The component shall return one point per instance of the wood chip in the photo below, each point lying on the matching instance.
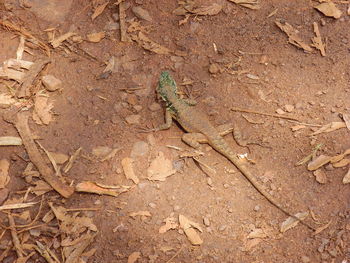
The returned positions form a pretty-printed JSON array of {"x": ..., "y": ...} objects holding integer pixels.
[
  {"x": 329, "y": 9},
  {"x": 317, "y": 40},
  {"x": 17, "y": 206},
  {"x": 10, "y": 140},
  {"x": 42, "y": 113},
  {"x": 333, "y": 126},
  {"x": 96, "y": 37},
  {"x": 346, "y": 118},
  {"x": 209, "y": 10},
  {"x": 58, "y": 41},
  {"x": 149, "y": 44},
  {"x": 293, "y": 36},
  {"x": 318, "y": 162},
  {"x": 189, "y": 228}
]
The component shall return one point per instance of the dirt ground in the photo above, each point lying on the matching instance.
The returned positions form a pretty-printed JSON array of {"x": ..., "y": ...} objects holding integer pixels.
[{"x": 231, "y": 57}]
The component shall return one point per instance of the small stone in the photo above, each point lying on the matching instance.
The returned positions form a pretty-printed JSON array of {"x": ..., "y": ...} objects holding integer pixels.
[
  {"x": 139, "y": 148},
  {"x": 132, "y": 99},
  {"x": 320, "y": 176},
  {"x": 177, "y": 208},
  {"x": 111, "y": 26},
  {"x": 289, "y": 108},
  {"x": 251, "y": 76},
  {"x": 97, "y": 202},
  {"x": 280, "y": 111},
  {"x": 305, "y": 259},
  {"x": 214, "y": 68},
  {"x": 138, "y": 108},
  {"x": 133, "y": 119},
  {"x": 51, "y": 83},
  {"x": 141, "y": 13},
  {"x": 257, "y": 208},
  {"x": 222, "y": 228},
  {"x": 154, "y": 107},
  {"x": 152, "y": 205},
  {"x": 226, "y": 186},
  {"x": 206, "y": 221}
]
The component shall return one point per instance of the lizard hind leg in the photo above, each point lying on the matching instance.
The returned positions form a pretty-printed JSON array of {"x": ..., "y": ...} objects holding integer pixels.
[{"x": 194, "y": 139}]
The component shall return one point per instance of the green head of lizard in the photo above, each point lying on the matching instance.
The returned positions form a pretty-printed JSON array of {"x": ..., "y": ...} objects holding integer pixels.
[{"x": 167, "y": 86}]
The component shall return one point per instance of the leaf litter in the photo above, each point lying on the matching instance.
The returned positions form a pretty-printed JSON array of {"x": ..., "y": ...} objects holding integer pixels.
[
  {"x": 251, "y": 4},
  {"x": 160, "y": 168},
  {"x": 189, "y": 228},
  {"x": 329, "y": 9},
  {"x": 292, "y": 222}
]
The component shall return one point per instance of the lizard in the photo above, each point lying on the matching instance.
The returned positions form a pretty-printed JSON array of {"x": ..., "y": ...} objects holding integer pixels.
[{"x": 200, "y": 130}]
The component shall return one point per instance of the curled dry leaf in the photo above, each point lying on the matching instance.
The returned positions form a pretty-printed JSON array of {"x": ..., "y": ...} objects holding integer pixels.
[
  {"x": 189, "y": 228},
  {"x": 251, "y": 4},
  {"x": 58, "y": 41},
  {"x": 127, "y": 164},
  {"x": 96, "y": 37},
  {"x": 346, "y": 178},
  {"x": 339, "y": 157},
  {"x": 293, "y": 36},
  {"x": 317, "y": 40},
  {"x": 4, "y": 173},
  {"x": 10, "y": 140},
  {"x": 329, "y": 9},
  {"x": 321, "y": 176},
  {"x": 321, "y": 228},
  {"x": 318, "y": 162},
  {"x": 42, "y": 110},
  {"x": 170, "y": 223},
  {"x": 160, "y": 168},
  {"x": 341, "y": 163},
  {"x": 291, "y": 222},
  {"x": 333, "y": 126},
  {"x": 94, "y": 188},
  {"x": 99, "y": 10}
]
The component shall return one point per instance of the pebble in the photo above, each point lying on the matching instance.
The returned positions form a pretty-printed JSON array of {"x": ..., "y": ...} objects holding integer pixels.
[
  {"x": 226, "y": 186},
  {"x": 280, "y": 111},
  {"x": 138, "y": 108},
  {"x": 142, "y": 13},
  {"x": 132, "y": 99},
  {"x": 206, "y": 221},
  {"x": 51, "y": 83},
  {"x": 257, "y": 208},
  {"x": 152, "y": 205},
  {"x": 112, "y": 26},
  {"x": 154, "y": 107},
  {"x": 222, "y": 228},
  {"x": 289, "y": 108},
  {"x": 97, "y": 202},
  {"x": 139, "y": 148},
  {"x": 305, "y": 259},
  {"x": 299, "y": 106},
  {"x": 177, "y": 208},
  {"x": 133, "y": 119},
  {"x": 214, "y": 68}
]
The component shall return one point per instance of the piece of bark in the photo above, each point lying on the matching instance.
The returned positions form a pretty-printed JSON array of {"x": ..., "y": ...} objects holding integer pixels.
[
  {"x": 30, "y": 77},
  {"x": 21, "y": 124}
]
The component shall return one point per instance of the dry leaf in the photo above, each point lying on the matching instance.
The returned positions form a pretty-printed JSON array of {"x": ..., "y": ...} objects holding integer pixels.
[
  {"x": 339, "y": 157},
  {"x": 16, "y": 206},
  {"x": 189, "y": 229},
  {"x": 133, "y": 257},
  {"x": 96, "y": 37},
  {"x": 321, "y": 228},
  {"x": 318, "y": 162},
  {"x": 209, "y": 10},
  {"x": 293, "y": 36},
  {"x": 10, "y": 140},
  {"x": 160, "y": 168},
  {"x": 329, "y": 9},
  {"x": 72, "y": 159},
  {"x": 60, "y": 158},
  {"x": 42, "y": 110},
  {"x": 127, "y": 164},
  {"x": 99, "y": 10},
  {"x": 92, "y": 187},
  {"x": 330, "y": 127},
  {"x": 317, "y": 40},
  {"x": 251, "y": 4},
  {"x": 320, "y": 176},
  {"x": 4, "y": 173},
  {"x": 170, "y": 223},
  {"x": 291, "y": 222},
  {"x": 6, "y": 100},
  {"x": 41, "y": 187},
  {"x": 149, "y": 44},
  {"x": 346, "y": 178}
]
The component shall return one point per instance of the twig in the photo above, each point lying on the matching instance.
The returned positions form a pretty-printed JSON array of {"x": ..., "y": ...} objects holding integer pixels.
[
  {"x": 21, "y": 124},
  {"x": 265, "y": 114},
  {"x": 175, "y": 255},
  {"x": 15, "y": 238},
  {"x": 305, "y": 124}
]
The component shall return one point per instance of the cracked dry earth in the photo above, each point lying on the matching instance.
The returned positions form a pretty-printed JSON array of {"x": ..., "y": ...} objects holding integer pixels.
[{"x": 236, "y": 57}]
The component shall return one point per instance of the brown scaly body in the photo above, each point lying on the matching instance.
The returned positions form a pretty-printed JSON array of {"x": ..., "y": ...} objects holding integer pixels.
[{"x": 197, "y": 124}]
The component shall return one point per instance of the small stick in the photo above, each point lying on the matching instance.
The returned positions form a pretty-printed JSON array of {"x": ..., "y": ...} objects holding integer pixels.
[
  {"x": 15, "y": 238},
  {"x": 175, "y": 255},
  {"x": 265, "y": 114},
  {"x": 305, "y": 124}
]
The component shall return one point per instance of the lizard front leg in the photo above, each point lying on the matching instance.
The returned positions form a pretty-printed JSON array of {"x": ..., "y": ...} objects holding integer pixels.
[{"x": 168, "y": 122}]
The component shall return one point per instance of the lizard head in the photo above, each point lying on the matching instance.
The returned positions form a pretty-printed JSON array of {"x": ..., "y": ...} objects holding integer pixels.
[{"x": 167, "y": 86}]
